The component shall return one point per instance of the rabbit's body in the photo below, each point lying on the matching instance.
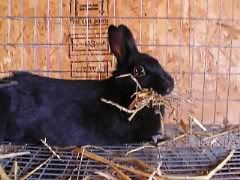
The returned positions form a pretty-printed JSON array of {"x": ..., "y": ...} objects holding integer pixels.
[{"x": 70, "y": 112}]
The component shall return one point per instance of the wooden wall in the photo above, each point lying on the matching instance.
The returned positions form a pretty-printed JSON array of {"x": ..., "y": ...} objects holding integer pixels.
[{"x": 198, "y": 41}]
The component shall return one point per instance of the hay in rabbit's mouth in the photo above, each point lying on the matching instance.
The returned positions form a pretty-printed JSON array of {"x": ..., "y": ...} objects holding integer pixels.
[{"x": 144, "y": 97}]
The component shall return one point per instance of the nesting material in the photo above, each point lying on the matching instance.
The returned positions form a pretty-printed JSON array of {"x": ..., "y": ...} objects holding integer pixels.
[
  {"x": 105, "y": 175},
  {"x": 198, "y": 122},
  {"x": 37, "y": 168},
  {"x": 12, "y": 155},
  {"x": 3, "y": 174},
  {"x": 112, "y": 164},
  {"x": 222, "y": 133},
  {"x": 50, "y": 148},
  {"x": 143, "y": 173},
  {"x": 123, "y": 166},
  {"x": 143, "y": 97}
]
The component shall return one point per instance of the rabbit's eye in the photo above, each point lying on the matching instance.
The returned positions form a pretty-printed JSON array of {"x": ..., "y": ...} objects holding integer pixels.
[{"x": 138, "y": 71}]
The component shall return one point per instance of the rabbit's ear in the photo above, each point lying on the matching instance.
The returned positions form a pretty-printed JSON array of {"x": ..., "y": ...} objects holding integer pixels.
[
  {"x": 115, "y": 41},
  {"x": 129, "y": 42}
]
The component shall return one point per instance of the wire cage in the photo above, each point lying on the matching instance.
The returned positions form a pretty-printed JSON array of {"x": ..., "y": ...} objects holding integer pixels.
[
  {"x": 196, "y": 41},
  {"x": 192, "y": 158}
]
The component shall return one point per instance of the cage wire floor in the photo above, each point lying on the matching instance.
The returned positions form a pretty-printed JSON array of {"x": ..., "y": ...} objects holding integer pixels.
[{"x": 189, "y": 157}]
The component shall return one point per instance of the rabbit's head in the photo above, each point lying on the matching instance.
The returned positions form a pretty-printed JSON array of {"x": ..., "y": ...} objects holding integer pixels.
[{"x": 146, "y": 69}]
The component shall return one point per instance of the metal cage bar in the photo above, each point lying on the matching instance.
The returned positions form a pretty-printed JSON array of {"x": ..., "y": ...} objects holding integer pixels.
[{"x": 182, "y": 158}]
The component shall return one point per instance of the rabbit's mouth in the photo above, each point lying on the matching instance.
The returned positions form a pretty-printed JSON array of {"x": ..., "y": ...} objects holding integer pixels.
[
  {"x": 168, "y": 90},
  {"x": 164, "y": 88}
]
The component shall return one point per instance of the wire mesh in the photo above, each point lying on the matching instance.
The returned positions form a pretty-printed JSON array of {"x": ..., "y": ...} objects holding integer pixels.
[
  {"x": 186, "y": 44},
  {"x": 217, "y": 105},
  {"x": 180, "y": 158}
]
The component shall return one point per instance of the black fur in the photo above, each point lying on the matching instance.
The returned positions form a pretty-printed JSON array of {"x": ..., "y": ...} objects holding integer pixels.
[{"x": 70, "y": 112}]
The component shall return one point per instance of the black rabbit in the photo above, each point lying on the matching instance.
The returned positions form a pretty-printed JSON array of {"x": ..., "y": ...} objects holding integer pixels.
[{"x": 70, "y": 112}]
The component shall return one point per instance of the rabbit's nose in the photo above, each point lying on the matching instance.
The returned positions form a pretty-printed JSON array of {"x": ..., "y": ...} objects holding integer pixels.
[{"x": 168, "y": 90}]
